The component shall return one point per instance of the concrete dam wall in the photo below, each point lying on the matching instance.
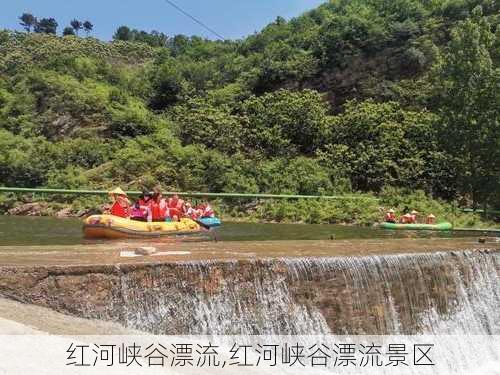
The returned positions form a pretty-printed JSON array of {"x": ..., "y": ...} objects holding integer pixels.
[{"x": 455, "y": 292}]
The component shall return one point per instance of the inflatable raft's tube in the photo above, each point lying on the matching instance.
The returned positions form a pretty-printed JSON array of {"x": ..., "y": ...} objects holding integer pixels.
[
  {"x": 109, "y": 226},
  {"x": 210, "y": 221},
  {"x": 440, "y": 226}
]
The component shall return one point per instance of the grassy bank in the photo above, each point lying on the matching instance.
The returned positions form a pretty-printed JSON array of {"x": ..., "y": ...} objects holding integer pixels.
[{"x": 362, "y": 209}]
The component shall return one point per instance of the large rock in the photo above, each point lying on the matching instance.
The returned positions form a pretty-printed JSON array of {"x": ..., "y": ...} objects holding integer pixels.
[{"x": 28, "y": 209}]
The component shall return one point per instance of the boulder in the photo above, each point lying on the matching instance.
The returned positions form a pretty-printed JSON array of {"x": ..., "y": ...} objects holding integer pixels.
[{"x": 28, "y": 209}]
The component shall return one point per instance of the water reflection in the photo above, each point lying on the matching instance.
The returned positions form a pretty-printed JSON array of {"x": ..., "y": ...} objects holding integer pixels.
[{"x": 53, "y": 231}]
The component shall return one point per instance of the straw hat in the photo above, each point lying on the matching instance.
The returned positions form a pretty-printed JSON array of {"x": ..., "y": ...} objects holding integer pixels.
[
  {"x": 391, "y": 211},
  {"x": 431, "y": 215},
  {"x": 414, "y": 212},
  {"x": 117, "y": 191}
]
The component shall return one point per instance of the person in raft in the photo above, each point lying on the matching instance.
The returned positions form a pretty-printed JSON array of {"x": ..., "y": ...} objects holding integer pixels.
[
  {"x": 431, "y": 219},
  {"x": 405, "y": 219},
  {"x": 191, "y": 212},
  {"x": 121, "y": 204},
  {"x": 413, "y": 217},
  {"x": 390, "y": 217},
  {"x": 176, "y": 206},
  {"x": 205, "y": 210},
  {"x": 137, "y": 212},
  {"x": 159, "y": 207}
]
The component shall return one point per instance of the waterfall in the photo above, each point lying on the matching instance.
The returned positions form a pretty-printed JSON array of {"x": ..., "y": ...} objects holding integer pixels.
[{"x": 426, "y": 293}]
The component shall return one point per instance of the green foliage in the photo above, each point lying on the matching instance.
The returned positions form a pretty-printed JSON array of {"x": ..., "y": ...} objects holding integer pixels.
[
  {"x": 297, "y": 176},
  {"x": 363, "y": 211},
  {"x": 70, "y": 177},
  {"x": 46, "y": 26},
  {"x": 340, "y": 99},
  {"x": 131, "y": 119},
  {"x": 27, "y": 21},
  {"x": 359, "y": 27},
  {"x": 468, "y": 101},
  {"x": 68, "y": 31},
  {"x": 154, "y": 39},
  {"x": 201, "y": 123},
  {"x": 76, "y": 25},
  {"x": 23, "y": 162},
  {"x": 167, "y": 84},
  {"x": 379, "y": 144},
  {"x": 88, "y": 27},
  {"x": 285, "y": 122}
]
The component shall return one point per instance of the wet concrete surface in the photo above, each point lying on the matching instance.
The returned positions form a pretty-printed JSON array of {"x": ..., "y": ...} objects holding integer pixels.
[
  {"x": 26, "y": 319},
  {"x": 123, "y": 252}
]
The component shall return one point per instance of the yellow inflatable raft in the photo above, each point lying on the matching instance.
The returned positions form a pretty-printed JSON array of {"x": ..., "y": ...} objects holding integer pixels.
[{"x": 112, "y": 227}]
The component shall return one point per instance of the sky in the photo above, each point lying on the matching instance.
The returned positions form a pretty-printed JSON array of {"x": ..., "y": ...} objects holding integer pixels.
[{"x": 233, "y": 19}]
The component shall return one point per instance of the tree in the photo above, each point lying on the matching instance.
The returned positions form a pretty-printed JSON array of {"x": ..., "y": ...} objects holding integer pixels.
[
  {"x": 167, "y": 86},
  {"x": 47, "y": 26},
  {"x": 27, "y": 21},
  {"x": 68, "y": 31},
  {"x": 76, "y": 25},
  {"x": 215, "y": 127},
  {"x": 468, "y": 100},
  {"x": 123, "y": 33},
  {"x": 381, "y": 144},
  {"x": 88, "y": 27},
  {"x": 285, "y": 123}
]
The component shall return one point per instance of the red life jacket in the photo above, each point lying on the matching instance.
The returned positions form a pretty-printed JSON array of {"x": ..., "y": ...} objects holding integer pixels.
[
  {"x": 390, "y": 217},
  {"x": 156, "y": 212},
  {"x": 175, "y": 212},
  {"x": 172, "y": 202},
  {"x": 175, "y": 203},
  {"x": 118, "y": 210}
]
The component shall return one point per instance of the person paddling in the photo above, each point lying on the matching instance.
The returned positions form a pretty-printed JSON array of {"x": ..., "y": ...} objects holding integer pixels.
[{"x": 121, "y": 204}]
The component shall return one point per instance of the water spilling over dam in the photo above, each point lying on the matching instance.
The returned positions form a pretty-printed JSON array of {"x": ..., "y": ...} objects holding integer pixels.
[{"x": 444, "y": 292}]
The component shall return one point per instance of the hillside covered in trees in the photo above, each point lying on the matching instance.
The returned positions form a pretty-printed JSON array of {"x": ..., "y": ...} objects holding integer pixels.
[{"x": 356, "y": 96}]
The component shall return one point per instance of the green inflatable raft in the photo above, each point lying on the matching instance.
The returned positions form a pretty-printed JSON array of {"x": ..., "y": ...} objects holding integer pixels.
[{"x": 440, "y": 226}]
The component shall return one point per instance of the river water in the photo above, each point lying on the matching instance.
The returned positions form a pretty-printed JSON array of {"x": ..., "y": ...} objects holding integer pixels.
[
  {"x": 15, "y": 230},
  {"x": 264, "y": 279}
]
